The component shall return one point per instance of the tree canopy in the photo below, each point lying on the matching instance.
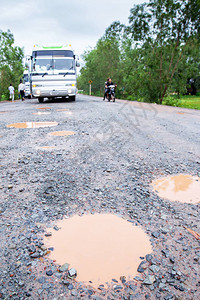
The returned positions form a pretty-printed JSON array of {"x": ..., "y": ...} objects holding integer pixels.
[
  {"x": 11, "y": 63},
  {"x": 153, "y": 56}
]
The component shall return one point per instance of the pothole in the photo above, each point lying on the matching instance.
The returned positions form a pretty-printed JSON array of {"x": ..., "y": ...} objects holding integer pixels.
[
  {"x": 182, "y": 187},
  {"x": 32, "y": 124},
  {"x": 61, "y": 133},
  {"x": 43, "y": 108},
  {"x": 68, "y": 113},
  {"x": 41, "y": 113},
  {"x": 47, "y": 147},
  {"x": 62, "y": 109},
  {"x": 101, "y": 247}
]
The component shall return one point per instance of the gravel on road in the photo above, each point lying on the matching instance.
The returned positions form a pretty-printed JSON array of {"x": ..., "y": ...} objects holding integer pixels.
[{"x": 106, "y": 166}]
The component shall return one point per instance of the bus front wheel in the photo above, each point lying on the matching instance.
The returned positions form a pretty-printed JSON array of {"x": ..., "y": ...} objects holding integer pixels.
[
  {"x": 72, "y": 98},
  {"x": 41, "y": 100}
]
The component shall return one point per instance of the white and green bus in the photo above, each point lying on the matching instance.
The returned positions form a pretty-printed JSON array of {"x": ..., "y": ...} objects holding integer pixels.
[{"x": 53, "y": 73}]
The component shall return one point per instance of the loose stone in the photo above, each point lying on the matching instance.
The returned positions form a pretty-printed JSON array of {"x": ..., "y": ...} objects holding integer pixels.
[
  {"x": 156, "y": 234},
  {"x": 64, "y": 268},
  {"x": 72, "y": 272},
  {"x": 49, "y": 273},
  {"x": 150, "y": 279}
]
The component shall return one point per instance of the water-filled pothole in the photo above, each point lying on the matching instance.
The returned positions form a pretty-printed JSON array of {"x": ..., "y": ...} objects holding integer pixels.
[
  {"x": 44, "y": 108},
  {"x": 32, "y": 124},
  {"x": 62, "y": 109},
  {"x": 47, "y": 147},
  {"x": 67, "y": 112},
  {"x": 62, "y": 133},
  {"x": 41, "y": 113},
  {"x": 101, "y": 247},
  {"x": 182, "y": 187}
]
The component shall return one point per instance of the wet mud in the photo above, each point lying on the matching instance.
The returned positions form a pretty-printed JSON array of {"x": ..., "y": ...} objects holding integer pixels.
[
  {"x": 27, "y": 125},
  {"x": 62, "y": 133},
  {"x": 100, "y": 247},
  {"x": 183, "y": 188}
]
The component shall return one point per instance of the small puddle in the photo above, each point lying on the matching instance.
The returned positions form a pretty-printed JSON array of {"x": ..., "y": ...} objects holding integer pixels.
[
  {"x": 62, "y": 109},
  {"x": 41, "y": 113},
  {"x": 47, "y": 147},
  {"x": 32, "y": 124},
  {"x": 183, "y": 188},
  {"x": 101, "y": 247},
  {"x": 68, "y": 113},
  {"x": 43, "y": 107},
  {"x": 62, "y": 133}
]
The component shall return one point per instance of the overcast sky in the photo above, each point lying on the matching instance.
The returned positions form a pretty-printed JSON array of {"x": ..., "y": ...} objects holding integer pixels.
[{"x": 59, "y": 22}]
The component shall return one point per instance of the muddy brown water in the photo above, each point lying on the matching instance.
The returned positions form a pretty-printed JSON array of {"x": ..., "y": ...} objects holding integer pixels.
[
  {"x": 182, "y": 187},
  {"x": 32, "y": 124},
  {"x": 67, "y": 112},
  {"x": 62, "y": 133},
  {"x": 43, "y": 108},
  {"x": 47, "y": 147},
  {"x": 62, "y": 109},
  {"x": 100, "y": 247},
  {"x": 41, "y": 113}
]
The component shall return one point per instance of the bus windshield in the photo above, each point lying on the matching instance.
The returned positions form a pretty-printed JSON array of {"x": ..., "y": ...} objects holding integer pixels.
[{"x": 47, "y": 64}]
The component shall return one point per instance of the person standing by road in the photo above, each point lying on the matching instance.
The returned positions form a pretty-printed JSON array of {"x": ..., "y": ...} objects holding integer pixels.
[
  {"x": 12, "y": 92},
  {"x": 21, "y": 90}
]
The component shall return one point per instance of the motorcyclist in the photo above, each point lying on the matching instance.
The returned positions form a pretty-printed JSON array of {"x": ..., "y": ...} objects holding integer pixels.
[{"x": 107, "y": 84}]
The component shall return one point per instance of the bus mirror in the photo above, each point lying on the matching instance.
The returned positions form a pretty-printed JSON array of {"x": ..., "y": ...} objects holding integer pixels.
[{"x": 77, "y": 64}]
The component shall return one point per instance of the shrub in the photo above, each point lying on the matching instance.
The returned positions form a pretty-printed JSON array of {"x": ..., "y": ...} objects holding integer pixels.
[{"x": 171, "y": 101}]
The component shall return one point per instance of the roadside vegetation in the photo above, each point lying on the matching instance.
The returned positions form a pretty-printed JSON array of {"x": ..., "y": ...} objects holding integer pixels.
[
  {"x": 187, "y": 101},
  {"x": 11, "y": 64},
  {"x": 155, "y": 58}
]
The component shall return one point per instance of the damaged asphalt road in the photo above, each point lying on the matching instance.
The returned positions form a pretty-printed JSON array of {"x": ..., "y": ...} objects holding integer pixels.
[{"x": 105, "y": 165}]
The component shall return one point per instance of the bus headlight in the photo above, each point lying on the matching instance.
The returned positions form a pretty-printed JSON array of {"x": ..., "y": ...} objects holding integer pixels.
[
  {"x": 69, "y": 91},
  {"x": 38, "y": 92}
]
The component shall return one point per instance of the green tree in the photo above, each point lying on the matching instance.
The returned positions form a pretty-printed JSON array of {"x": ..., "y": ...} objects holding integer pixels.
[
  {"x": 104, "y": 61},
  {"x": 100, "y": 63},
  {"x": 11, "y": 63},
  {"x": 165, "y": 31},
  {"x": 155, "y": 55}
]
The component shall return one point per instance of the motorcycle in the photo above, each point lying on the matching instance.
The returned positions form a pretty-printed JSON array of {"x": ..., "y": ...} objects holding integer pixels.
[{"x": 110, "y": 95}]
